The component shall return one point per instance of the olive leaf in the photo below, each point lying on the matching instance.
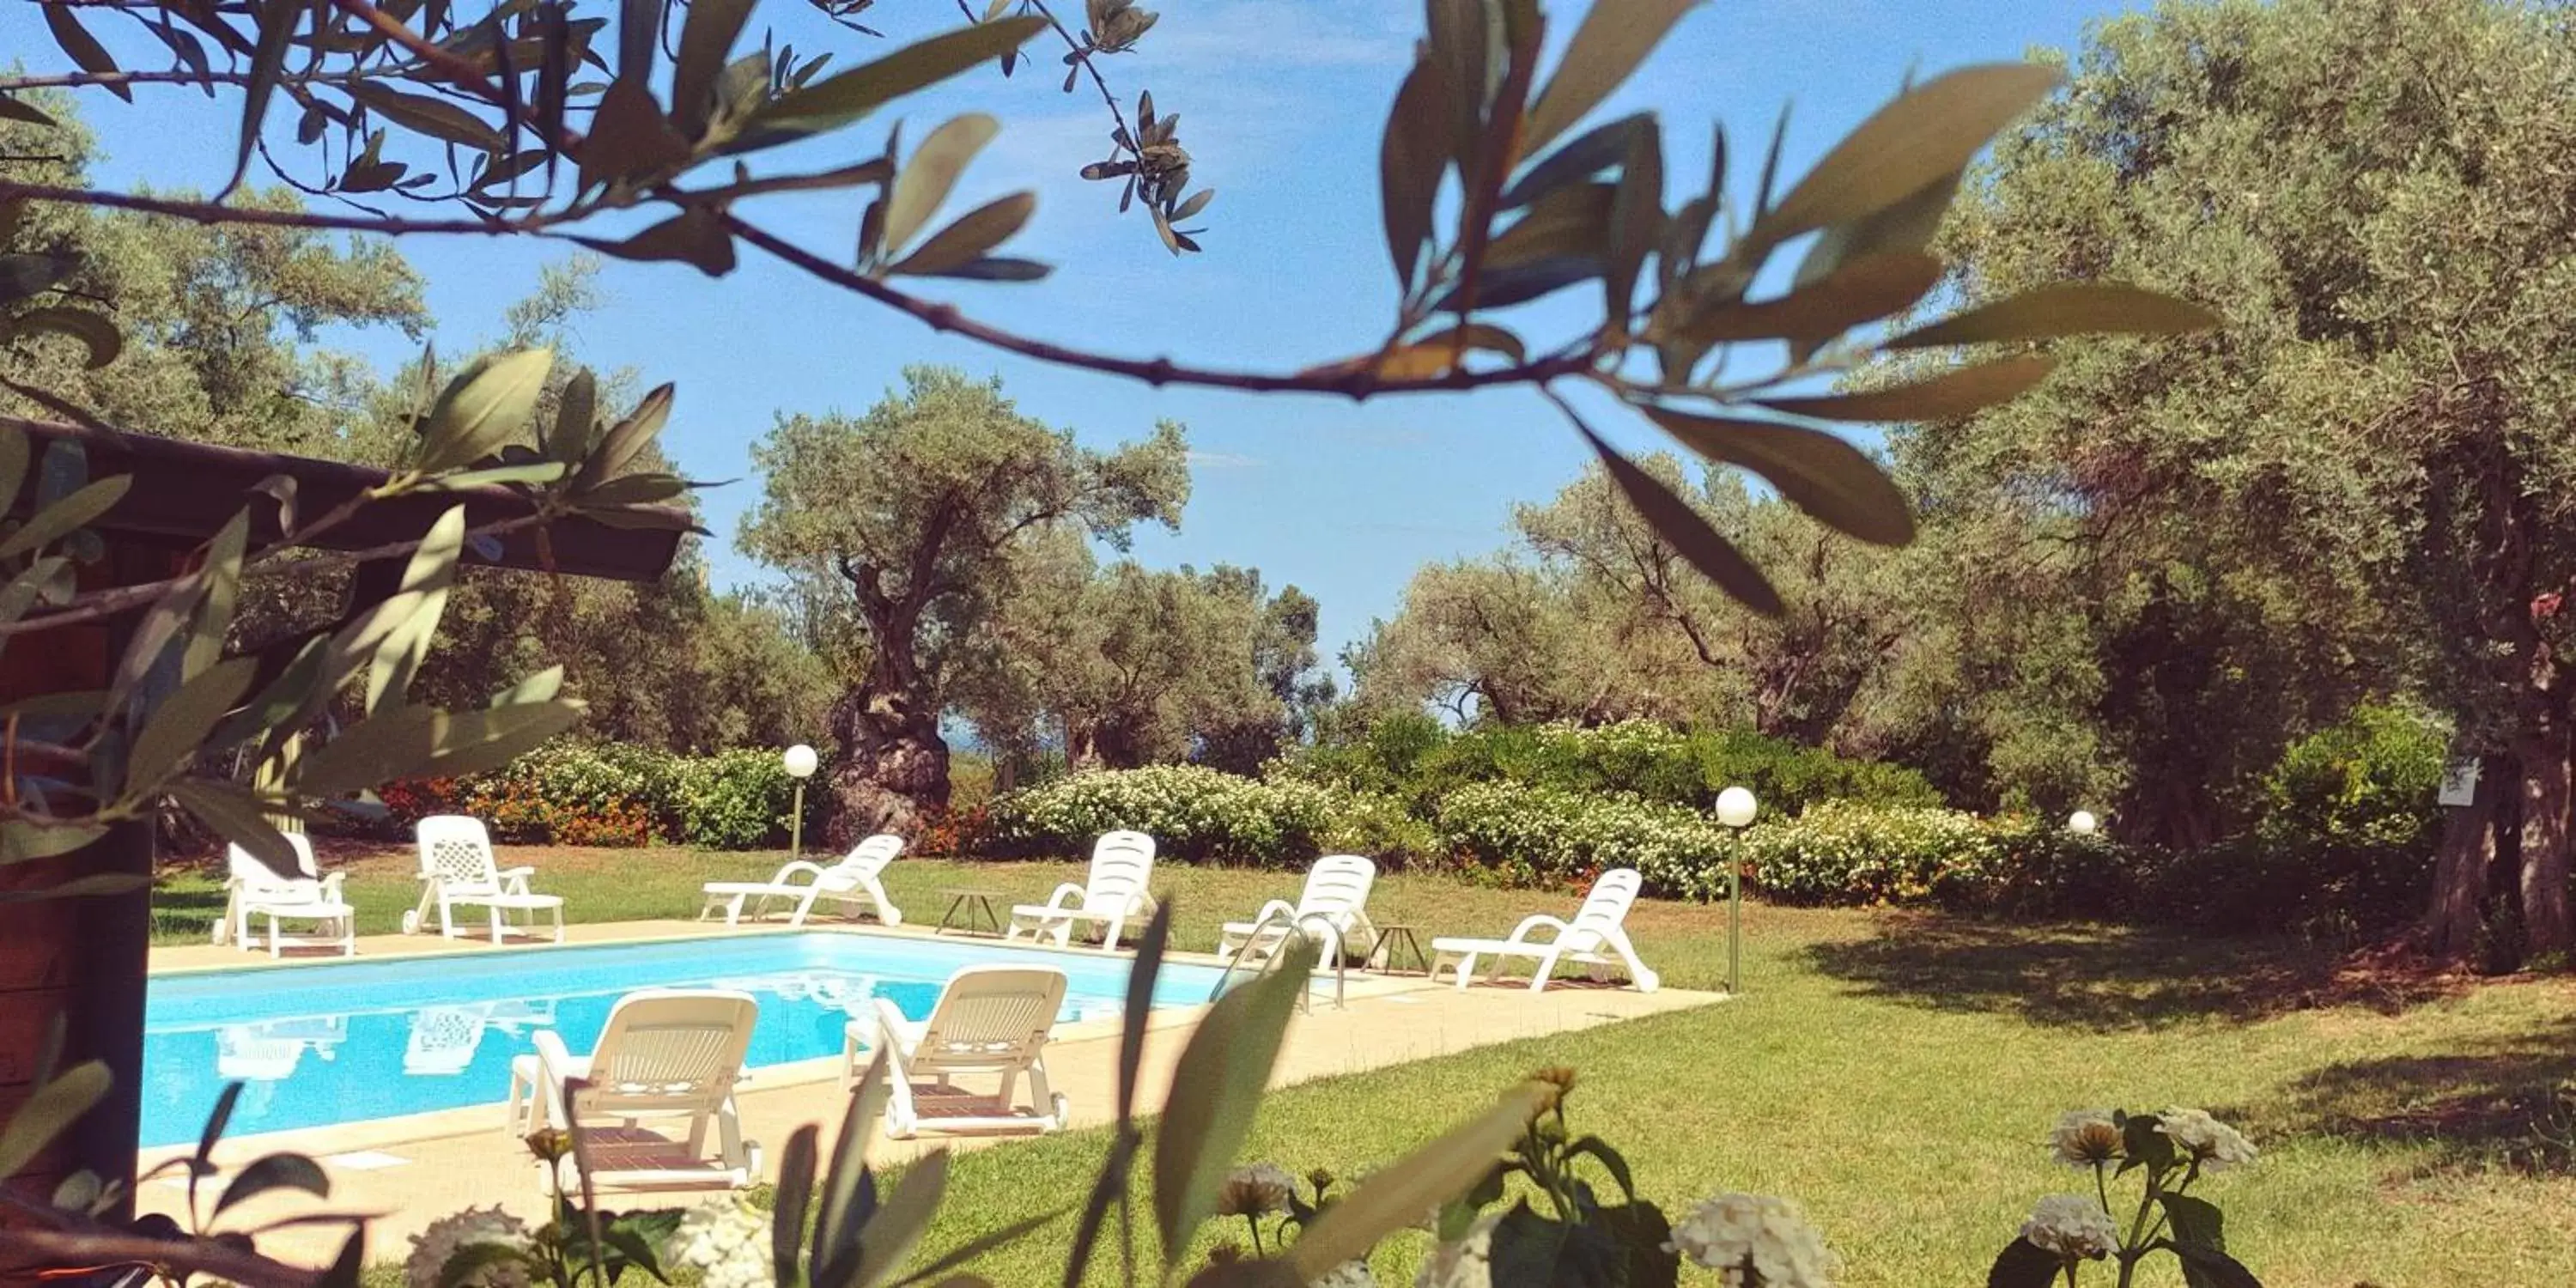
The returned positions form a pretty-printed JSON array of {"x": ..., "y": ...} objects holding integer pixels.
[
  {"x": 1690, "y": 536},
  {"x": 276, "y": 19},
  {"x": 924, "y": 182},
  {"x": 181, "y": 723},
  {"x": 705, "y": 38},
  {"x": 1872, "y": 286},
  {"x": 1215, "y": 1086},
  {"x": 695, "y": 236},
  {"x": 435, "y": 117},
  {"x": 488, "y": 402},
  {"x": 628, "y": 139},
  {"x": 1411, "y": 160},
  {"x": 1817, "y": 471},
  {"x": 66, "y": 516},
  {"x": 576, "y": 419},
  {"x": 2064, "y": 308},
  {"x": 1606, "y": 50},
  {"x": 1943, "y": 397},
  {"x": 965, "y": 241},
  {"x": 1397, "y": 1196},
  {"x": 1636, "y": 216},
  {"x": 1569, "y": 221},
  {"x": 83, "y": 48},
  {"x": 48, "y": 1112},
  {"x": 1586, "y": 157},
  {"x": 12, "y": 109},
  {"x": 1930, "y": 131},
  {"x": 839, "y": 99}
]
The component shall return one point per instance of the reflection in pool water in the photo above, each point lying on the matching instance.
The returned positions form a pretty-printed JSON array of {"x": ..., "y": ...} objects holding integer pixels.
[{"x": 344, "y": 1042}]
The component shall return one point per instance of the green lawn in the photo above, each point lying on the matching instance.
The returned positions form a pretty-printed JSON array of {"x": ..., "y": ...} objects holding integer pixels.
[{"x": 1896, "y": 1074}]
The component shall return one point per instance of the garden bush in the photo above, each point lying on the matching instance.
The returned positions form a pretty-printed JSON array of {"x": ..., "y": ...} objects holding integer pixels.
[
  {"x": 2342, "y": 848},
  {"x": 1412, "y": 756},
  {"x": 1840, "y": 853},
  {"x": 1197, "y": 815},
  {"x": 1516, "y": 835},
  {"x": 606, "y": 794}
]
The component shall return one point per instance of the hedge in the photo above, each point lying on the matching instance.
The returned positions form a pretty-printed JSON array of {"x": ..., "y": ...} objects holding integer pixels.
[
  {"x": 1415, "y": 758},
  {"x": 570, "y": 793}
]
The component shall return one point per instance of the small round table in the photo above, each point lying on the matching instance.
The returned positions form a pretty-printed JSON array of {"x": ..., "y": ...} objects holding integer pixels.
[
  {"x": 977, "y": 905},
  {"x": 1392, "y": 938}
]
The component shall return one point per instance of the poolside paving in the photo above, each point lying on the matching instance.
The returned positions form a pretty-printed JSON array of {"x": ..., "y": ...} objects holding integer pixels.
[{"x": 409, "y": 1171}]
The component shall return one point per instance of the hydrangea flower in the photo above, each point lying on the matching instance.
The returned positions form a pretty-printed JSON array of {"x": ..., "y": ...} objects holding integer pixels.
[
  {"x": 727, "y": 1241},
  {"x": 1354, "y": 1273},
  {"x": 2072, "y": 1226},
  {"x": 1755, "y": 1241},
  {"x": 2214, "y": 1144},
  {"x": 2086, "y": 1138},
  {"x": 1464, "y": 1262},
  {"x": 433, "y": 1248}
]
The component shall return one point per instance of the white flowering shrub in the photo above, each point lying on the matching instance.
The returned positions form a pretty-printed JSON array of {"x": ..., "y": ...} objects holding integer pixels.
[
  {"x": 1194, "y": 813},
  {"x": 1844, "y": 853},
  {"x": 1537, "y": 836}
]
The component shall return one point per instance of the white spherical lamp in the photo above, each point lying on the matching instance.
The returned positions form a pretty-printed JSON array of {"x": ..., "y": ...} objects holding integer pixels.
[
  {"x": 2082, "y": 823},
  {"x": 1735, "y": 807},
  {"x": 801, "y": 761}
]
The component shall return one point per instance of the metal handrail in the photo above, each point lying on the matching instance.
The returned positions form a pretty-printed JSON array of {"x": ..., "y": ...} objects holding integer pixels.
[{"x": 1291, "y": 923}]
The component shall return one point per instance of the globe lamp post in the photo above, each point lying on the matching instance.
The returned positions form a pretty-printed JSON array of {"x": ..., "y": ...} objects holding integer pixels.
[
  {"x": 800, "y": 761},
  {"x": 1735, "y": 808}
]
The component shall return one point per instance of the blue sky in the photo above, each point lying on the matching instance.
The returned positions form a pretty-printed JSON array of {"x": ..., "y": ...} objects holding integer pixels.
[{"x": 1282, "y": 102}]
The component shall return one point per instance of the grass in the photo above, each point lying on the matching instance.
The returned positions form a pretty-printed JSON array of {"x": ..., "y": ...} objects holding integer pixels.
[{"x": 1897, "y": 1074}]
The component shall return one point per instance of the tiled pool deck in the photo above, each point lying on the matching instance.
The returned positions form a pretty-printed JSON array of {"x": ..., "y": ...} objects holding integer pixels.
[{"x": 411, "y": 1170}]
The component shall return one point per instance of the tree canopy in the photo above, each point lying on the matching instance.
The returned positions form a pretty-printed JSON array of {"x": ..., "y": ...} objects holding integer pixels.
[{"x": 914, "y": 512}]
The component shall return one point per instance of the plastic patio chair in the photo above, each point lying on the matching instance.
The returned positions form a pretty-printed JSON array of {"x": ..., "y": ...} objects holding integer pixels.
[
  {"x": 456, "y": 867},
  {"x": 803, "y": 882},
  {"x": 1112, "y": 894},
  {"x": 990, "y": 1021},
  {"x": 253, "y": 889},
  {"x": 1333, "y": 909},
  {"x": 1597, "y": 926},
  {"x": 664, "y": 1055}
]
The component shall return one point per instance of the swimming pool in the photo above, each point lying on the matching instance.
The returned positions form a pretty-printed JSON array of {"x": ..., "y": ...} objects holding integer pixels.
[{"x": 345, "y": 1042}]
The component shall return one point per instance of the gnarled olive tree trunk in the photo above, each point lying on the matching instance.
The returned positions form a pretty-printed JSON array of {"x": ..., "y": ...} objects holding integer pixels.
[{"x": 893, "y": 771}]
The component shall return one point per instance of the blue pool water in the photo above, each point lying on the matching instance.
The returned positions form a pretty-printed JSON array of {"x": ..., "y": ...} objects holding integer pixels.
[{"x": 344, "y": 1042}]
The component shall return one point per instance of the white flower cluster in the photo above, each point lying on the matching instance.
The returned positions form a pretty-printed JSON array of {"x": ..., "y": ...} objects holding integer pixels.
[
  {"x": 2216, "y": 1145},
  {"x": 727, "y": 1242},
  {"x": 1464, "y": 1262},
  {"x": 433, "y": 1248},
  {"x": 1755, "y": 1241},
  {"x": 2072, "y": 1226}
]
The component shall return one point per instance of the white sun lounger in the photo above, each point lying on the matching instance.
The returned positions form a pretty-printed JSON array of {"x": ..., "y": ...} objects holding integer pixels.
[
  {"x": 803, "y": 882},
  {"x": 456, "y": 867},
  {"x": 1332, "y": 909},
  {"x": 664, "y": 1054},
  {"x": 1110, "y": 896},
  {"x": 990, "y": 1021},
  {"x": 253, "y": 889},
  {"x": 1594, "y": 938}
]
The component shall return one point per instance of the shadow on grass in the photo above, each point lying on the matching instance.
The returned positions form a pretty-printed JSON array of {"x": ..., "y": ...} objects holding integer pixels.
[
  {"x": 2505, "y": 1104},
  {"x": 2101, "y": 977}
]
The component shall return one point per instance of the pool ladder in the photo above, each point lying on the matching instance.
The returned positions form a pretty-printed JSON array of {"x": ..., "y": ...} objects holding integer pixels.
[{"x": 1323, "y": 932}]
